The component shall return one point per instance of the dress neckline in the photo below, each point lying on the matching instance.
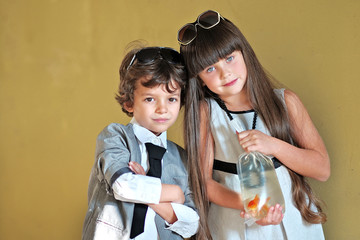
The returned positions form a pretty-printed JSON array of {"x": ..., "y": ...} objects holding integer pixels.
[{"x": 228, "y": 112}]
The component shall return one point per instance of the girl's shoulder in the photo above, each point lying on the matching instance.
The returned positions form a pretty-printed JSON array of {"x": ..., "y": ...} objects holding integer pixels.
[
  {"x": 205, "y": 105},
  {"x": 293, "y": 103},
  {"x": 279, "y": 92},
  {"x": 289, "y": 98}
]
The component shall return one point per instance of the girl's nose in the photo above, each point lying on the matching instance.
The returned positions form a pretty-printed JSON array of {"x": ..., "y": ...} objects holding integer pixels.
[{"x": 225, "y": 72}]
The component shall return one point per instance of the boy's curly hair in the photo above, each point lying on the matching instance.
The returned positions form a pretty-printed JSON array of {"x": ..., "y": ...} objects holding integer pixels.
[{"x": 156, "y": 72}]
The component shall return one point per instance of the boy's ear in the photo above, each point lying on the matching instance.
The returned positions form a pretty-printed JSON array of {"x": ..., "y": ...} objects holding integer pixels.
[{"x": 129, "y": 107}]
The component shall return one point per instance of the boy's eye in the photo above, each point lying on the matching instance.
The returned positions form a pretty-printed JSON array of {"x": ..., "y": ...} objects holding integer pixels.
[
  {"x": 229, "y": 59},
  {"x": 210, "y": 69},
  {"x": 149, "y": 99}
]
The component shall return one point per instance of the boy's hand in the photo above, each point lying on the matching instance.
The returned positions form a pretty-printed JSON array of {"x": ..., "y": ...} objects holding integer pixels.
[
  {"x": 136, "y": 168},
  {"x": 169, "y": 192}
]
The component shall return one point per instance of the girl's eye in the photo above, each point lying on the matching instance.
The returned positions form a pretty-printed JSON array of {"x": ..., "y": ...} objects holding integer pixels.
[
  {"x": 210, "y": 69},
  {"x": 229, "y": 59},
  {"x": 172, "y": 99},
  {"x": 149, "y": 99}
]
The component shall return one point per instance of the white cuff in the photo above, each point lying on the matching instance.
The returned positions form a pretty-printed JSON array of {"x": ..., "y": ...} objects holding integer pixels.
[
  {"x": 137, "y": 188},
  {"x": 187, "y": 220}
]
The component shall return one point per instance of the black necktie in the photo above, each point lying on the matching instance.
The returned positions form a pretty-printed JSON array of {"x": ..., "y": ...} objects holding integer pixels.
[{"x": 155, "y": 155}]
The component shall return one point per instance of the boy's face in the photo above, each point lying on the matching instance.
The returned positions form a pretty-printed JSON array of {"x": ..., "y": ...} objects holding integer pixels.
[{"x": 155, "y": 108}]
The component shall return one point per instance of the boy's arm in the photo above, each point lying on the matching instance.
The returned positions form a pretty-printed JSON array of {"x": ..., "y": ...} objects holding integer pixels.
[
  {"x": 180, "y": 217},
  {"x": 175, "y": 206},
  {"x": 187, "y": 219},
  {"x": 169, "y": 194},
  {"x": 137, "y": 188}
]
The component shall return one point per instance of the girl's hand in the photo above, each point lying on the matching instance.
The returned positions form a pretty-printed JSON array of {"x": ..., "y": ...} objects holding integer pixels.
[
  {"x": 254, "y": 140},
  {"x": 274, "y": 216},
  {"x": 136, "y": 168}
]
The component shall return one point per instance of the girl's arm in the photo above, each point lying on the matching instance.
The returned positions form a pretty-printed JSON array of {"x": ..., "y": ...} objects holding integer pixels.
[
  {"x": 217, "y": 192},
  {"x": 310, "y": 159}
]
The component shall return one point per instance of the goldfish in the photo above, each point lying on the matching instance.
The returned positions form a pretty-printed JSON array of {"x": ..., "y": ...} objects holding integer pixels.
[
  {"x": 265, "y": 208},
  {"x": 253, "y": 204},
  {"x": 253, "y": 207}
]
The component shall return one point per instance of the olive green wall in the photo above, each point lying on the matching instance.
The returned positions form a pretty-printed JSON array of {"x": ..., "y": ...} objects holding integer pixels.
[{"x": 58, "y": 76}]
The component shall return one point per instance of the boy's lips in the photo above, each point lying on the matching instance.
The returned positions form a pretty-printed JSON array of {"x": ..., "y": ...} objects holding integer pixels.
[
  {"x": 161, "y": 120},
  {"x": 230, "y": 83}
]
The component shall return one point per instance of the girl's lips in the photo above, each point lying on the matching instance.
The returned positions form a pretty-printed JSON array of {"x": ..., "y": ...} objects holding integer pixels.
[{"x": 230, "y": 83}]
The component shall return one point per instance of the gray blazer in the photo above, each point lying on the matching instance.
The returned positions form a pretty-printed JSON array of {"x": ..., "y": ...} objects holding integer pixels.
[{"x": 108, "y": 218}]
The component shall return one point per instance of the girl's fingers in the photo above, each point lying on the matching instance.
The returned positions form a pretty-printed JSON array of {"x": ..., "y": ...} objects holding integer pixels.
[
  {"x": 243, "y": 134},
  {"x": 273, "y": 217},
  {"x": 276, "y": 215},
  {"x": 243, "y": 214}
]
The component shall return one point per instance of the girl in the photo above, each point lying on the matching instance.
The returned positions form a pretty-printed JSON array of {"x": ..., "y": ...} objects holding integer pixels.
[{"x": 227, "y": 81}]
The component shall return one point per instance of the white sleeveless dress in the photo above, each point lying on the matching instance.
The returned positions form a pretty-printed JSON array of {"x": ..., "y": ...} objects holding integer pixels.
[{"x": 226, "y": 223}]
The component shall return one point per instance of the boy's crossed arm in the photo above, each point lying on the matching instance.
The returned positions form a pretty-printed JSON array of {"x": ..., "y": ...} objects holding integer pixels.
[
  {"x": 169, "y": 194},
  {"x": 156, "y": 195}
]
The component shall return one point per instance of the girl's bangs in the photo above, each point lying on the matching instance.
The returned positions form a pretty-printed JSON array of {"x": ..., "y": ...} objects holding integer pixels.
[{"x": 209, "y": 46}]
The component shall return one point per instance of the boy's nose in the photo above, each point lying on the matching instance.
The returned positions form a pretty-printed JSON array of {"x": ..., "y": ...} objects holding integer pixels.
[{"x": 161, "y": 107}]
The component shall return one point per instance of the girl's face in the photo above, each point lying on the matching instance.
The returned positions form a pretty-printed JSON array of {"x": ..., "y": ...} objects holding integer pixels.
[{"x": 226, "y": 77}]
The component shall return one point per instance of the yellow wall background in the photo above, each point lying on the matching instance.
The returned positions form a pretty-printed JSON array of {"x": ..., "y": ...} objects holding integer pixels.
[{"x": 58, "y": 75}]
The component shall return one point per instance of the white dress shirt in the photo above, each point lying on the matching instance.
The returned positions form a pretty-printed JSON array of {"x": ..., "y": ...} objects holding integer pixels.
[{"x": 138, "y": 188}]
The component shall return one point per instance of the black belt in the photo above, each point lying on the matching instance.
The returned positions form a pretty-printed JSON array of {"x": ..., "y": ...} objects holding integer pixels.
[{"x": 231, "y": 167}]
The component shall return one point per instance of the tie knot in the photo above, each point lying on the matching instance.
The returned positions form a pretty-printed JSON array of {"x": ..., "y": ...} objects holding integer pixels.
[{"x": 155, "y": 152}]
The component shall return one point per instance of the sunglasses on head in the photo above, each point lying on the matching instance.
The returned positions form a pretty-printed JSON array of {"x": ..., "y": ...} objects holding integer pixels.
[
  {"x": 206, "y": 20},
  {"x": 150, "y": 54}
]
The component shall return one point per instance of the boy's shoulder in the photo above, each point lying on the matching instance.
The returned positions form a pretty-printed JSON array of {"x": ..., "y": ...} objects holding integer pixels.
[
  {"x": 117, "y": 130},
  {"x": 174, "y": 148},
  {"x": 174, "y": 145}
]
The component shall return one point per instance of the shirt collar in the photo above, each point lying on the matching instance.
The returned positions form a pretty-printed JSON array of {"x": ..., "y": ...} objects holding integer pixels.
[{"x": 144, "y": 135}]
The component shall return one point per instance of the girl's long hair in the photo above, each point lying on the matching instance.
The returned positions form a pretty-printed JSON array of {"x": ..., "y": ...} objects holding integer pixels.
[{"x": 207, "y": 48}]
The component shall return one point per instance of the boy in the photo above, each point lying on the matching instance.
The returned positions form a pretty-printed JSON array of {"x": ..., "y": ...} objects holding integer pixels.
[{"x": 131, "y": 194}]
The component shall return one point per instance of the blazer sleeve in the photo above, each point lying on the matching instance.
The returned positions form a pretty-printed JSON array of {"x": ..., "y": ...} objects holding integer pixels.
[
  {"x": 175, "y": 171},
  {"x": 187, "y": 192},
  {"x": 112, "y": 153}
]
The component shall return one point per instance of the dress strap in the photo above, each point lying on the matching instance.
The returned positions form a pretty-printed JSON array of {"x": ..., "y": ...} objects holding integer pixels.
[{"x": 232, "y": 168}]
